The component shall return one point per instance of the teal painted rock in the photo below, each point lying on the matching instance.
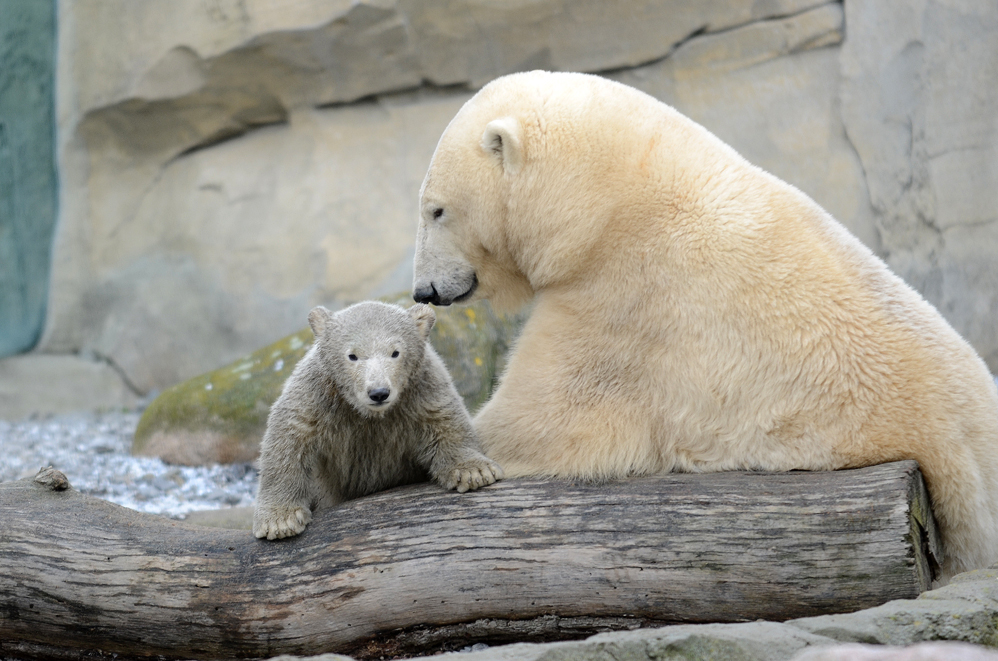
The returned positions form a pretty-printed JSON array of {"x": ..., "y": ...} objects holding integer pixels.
[
  {"x": 221, "y": 416},
  {"x": 27, "y": 168}
]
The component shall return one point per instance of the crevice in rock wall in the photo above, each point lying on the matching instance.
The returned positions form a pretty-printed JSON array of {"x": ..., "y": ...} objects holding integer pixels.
[
  {"x": 425, "y": 89},
  {"x": 878, "y": 246},
  {"x": 777, "y": 16},
  {"x": 122, "y": 374},
  {"x": 225, "y": 134},
  {"x": 691, "y": 37},
  {"x": 137, "y": 128},
  {"x": 755, "y": 42}
]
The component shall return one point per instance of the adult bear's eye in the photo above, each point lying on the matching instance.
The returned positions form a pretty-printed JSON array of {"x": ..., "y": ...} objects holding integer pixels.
[
  {"x": 352, "y": 356},
  {"x": 395, "y": 354},
  {"x": 437, "y": 213}
]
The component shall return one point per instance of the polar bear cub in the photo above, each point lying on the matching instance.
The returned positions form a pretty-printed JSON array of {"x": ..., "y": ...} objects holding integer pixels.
[
  {"x": 369, "y": 407},
  {"x": 691, "y": 312}
]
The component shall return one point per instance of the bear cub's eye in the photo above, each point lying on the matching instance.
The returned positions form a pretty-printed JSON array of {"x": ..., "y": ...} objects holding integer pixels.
[
  {"x": 395, "y": 354},
  {"x": 352, "y": 356},
  {"x": 438, "y": 212}
]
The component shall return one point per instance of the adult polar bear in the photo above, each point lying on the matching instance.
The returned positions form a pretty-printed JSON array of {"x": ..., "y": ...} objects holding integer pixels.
[{"x": 691, "y": 311}]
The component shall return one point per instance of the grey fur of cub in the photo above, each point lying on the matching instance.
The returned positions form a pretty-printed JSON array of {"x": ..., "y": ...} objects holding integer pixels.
[{"x": 371, "y": 406}]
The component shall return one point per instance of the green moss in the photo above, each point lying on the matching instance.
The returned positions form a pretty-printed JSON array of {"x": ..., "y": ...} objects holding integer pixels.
[{"x": 234, "y": 401}]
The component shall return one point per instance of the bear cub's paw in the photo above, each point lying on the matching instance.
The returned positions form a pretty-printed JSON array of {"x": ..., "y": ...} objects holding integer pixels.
[
  {"x": 471, "y": 473},
  {"x": 280, "y": 522}
]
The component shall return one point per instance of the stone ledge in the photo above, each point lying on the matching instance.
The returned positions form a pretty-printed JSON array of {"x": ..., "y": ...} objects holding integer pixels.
[{"x": 44, "y": 384}]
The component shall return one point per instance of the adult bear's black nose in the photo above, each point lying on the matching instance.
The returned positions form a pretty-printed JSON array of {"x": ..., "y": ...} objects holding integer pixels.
[
  {"x": 378, "y": 395},
  {"x": 426, "y": 294}
]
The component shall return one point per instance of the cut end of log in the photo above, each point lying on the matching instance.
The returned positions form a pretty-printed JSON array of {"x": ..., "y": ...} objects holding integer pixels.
[
  {"x": 52, "y": 479},
  {"x": 925, "y": 538}
]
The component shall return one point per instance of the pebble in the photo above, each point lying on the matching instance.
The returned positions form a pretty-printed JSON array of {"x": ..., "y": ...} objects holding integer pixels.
[{"x": 93, "y": 450}]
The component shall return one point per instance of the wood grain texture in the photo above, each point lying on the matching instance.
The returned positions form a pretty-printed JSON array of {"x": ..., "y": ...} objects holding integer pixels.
[{"x": 418, "y": 567}]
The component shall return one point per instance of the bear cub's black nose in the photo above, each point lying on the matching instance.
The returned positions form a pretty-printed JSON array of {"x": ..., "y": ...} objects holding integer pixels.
[{"x": 378, "y": 395}]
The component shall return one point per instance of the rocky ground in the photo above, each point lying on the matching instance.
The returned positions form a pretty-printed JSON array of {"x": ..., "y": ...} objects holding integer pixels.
[{"x": 92, "y": 449}]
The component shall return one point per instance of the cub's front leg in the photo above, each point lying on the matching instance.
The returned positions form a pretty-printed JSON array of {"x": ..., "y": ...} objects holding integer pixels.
[
  {"x": 278, "y": 522},
  {"x": 287, "y": 475},
  {"x": 468, "y": 471},
  {"x": 457, "y": 463}
]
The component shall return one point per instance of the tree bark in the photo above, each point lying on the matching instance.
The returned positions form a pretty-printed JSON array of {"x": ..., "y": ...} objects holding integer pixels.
[{"x": 417, "y": 569}]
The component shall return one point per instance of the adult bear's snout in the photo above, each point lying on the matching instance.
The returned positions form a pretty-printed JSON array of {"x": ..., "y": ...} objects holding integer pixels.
[{"x": 426, "y": 294}]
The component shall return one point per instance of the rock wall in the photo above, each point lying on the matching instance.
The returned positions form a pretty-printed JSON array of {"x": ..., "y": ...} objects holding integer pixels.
[
  {"x": 27, "y": 168},
  {"x": 227, "y": 165},
  {"x": 919, "y": 99}
]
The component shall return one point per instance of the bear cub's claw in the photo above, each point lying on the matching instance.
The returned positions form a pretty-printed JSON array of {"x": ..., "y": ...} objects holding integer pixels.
[
  {"x": 473, "y": 474},
  {"x": 281, "y": 522}
]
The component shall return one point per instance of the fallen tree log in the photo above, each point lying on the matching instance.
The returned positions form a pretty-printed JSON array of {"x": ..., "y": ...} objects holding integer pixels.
[{"x": 418, "y": 568}]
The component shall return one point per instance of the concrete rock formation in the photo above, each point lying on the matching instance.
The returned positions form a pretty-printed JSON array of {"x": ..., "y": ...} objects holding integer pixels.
[
  {"x": 919, "y": 100},
  {"x": 227, "y": 165}
]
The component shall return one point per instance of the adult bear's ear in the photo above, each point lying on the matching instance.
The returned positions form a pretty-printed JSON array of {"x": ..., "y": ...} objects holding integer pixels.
[
  {"x": 424, "y": 316},
  {"x": 319, "y": 319},
  {"x": 503, "y": 140}
]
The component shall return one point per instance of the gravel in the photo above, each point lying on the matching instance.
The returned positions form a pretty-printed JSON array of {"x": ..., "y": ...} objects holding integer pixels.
[{"x": 92, "y": 449}]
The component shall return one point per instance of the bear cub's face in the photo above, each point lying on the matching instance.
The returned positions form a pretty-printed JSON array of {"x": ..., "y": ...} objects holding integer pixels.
[{"x": 371, "y": 350}]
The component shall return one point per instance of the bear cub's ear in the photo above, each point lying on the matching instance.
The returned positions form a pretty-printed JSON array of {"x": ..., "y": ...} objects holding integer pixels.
[
  {"x": 424, "y": 316},
  {"x": 319, "y": 319},
  {"x": 503, "y": 140}
]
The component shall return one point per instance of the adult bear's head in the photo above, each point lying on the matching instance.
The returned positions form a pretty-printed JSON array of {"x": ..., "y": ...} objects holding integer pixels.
[{"x": 523, "y": 185}]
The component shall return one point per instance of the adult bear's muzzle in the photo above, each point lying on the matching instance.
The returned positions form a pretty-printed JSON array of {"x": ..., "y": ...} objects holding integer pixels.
[
  {"x": 423, "y": 292},
  {"x": 426, "y": 293}
]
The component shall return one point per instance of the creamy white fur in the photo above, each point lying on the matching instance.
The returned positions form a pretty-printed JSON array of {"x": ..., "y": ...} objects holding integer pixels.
[{"x": 691, "y": 311}]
